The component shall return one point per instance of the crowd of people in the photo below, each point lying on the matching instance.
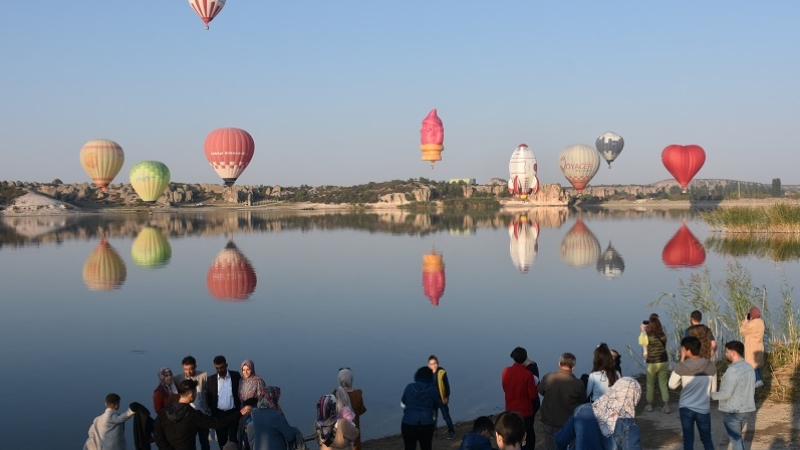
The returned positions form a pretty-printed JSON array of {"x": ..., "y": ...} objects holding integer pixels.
[{"x": 594, "y": 411}]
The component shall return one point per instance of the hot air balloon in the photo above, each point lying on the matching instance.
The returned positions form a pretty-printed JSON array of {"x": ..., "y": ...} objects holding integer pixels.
[
  {"x": 609, "y": 145},
  {"x": 433, "y": 276},
  {"x": 432, "y": 138},
  {"x": 149, "y": 179},
  {"x": 683, "y": 250},
  {"x": 229, "y": 151},
  {"x": 580, "y": 248},
  {"x": 231, "y": 276},
  {"x": 610, "y": 264},
  {"x": 524, "y": 246},
  {"x": 579, "y": 163},
  {"x": 150, "y": 249},
  {"x": 104, "y": 269},
  {"x": 683, "y": 162},
  {"x": 522, "y": 168},
  {"x": 207, "y": 9},
  {"x": 102, "y": 159}
]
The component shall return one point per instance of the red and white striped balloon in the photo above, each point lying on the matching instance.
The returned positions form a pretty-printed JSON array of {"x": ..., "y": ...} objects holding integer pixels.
[
  {"x": 579, "y": 163},
  {"x": 207, "y": 9},
  {"x": 229, "y": 151}
]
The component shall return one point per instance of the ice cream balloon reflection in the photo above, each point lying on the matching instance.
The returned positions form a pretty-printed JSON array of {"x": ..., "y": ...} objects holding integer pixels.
[
  {"x": 524, "y": 246},
  {"x": 579, "y": 248},
  {"x": 104, "y": 269},
  {"x": 231, "y": 276},
  {"x": 150, "y": 249},
  {"x": 433, "y": 276},
  {"x": 610, "y": 264},
  {"x": 683, "y": 250}
]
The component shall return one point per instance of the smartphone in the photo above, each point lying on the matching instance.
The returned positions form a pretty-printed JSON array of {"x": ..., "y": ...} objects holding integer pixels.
[
  {"x": 645, "y": 322},
  {"x": 748, "y": 316}
]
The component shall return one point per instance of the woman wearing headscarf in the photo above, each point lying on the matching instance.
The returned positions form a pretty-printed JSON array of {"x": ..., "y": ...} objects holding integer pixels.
[
  {"x": 346, "y": 430},
  {"x": 253, "y": 386},
  {"x": 752, "y": 330},
  {"x": 654, "y": 340},
  {"x": 166, "y": 392},
  {"x": 346, "y": 396},
  {"x": 608, "y": 423}
]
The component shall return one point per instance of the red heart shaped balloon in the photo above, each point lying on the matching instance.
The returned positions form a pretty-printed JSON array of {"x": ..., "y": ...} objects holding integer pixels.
[{"x": 683, "y": 162}]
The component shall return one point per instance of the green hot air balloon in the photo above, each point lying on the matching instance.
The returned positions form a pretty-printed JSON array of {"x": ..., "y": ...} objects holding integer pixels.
[
  {"x": 149, "y": 179},
  {"x": 150, "y": 249}
]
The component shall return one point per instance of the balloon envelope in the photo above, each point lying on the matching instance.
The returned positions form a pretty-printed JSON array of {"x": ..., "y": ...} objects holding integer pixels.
[
  {"x": 104, "y": 269},
  {"x": 149, "y": 179},
  {"x": 580, "y": 248},
  {"x": 207, "y": 9},
  {"x": 579, "y": 163},
  {"x": 229, "y": 151},
  {"x": 683, "y": 162},
  {"x": 524, "y": 245},
  {"x": 102, "y": 159},
  {"x": 150, "y": 249},
  {"x": 522, "y": 172},
  {"x": 231, "y": 276},
  {"x": 433, "y": 279},
  {"x": 432, "y": 137},
  {"x": 609, "y": 145},
  {"x": 683, "y": 250}
]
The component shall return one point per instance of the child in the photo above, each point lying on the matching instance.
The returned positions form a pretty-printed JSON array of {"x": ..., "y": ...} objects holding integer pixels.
[
  {"x": 108, "y": 430},
  {"x": 480, "y": 437},
  {"x": 509, "y": 431}
]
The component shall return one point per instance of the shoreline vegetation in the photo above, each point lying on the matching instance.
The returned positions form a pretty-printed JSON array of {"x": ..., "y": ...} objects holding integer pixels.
[{"x": 775, "y": 218}]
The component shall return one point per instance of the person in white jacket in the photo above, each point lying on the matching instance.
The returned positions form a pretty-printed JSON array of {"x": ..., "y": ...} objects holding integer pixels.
[
  {"x": 698, "y": 378},
  {"x": 108, "y": 429}
]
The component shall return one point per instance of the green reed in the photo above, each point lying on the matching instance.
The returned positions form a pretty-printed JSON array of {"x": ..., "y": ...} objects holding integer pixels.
[
  {"x": 777, "y": 247},
  {"x": 777, "y": 218}
]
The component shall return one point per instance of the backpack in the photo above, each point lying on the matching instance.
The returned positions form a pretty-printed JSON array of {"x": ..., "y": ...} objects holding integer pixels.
[{"x": 325, "y": 425}]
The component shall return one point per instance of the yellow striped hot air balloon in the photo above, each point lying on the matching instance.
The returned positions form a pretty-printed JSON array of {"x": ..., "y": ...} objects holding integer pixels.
[
  {"x": 149, "y": 179},
  {"x": 104, "y": 269},
  {"x": 151, "y": 249},
  {"x": 102, "y": 159}
]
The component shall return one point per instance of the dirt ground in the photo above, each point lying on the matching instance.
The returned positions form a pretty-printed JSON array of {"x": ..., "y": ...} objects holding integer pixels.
[{"x": 776, "y": 427}]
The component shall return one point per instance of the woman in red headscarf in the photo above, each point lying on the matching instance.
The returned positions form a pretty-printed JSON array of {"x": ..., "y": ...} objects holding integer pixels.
[{"x": 752, "y": 330}]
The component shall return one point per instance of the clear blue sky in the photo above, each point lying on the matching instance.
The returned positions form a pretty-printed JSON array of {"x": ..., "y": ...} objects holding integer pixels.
[{"x": 334, "y": 92}]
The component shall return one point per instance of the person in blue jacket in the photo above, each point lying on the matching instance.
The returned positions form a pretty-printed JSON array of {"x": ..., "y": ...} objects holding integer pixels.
[
  {"x": 420, "y": 400},
  {"x": 481, "y": 435}
]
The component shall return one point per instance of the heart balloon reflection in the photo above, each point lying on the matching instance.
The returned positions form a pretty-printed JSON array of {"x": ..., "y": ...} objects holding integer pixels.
[{"x": 683, "y": 250}]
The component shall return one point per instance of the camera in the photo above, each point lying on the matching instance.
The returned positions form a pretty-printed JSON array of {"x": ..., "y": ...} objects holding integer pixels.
[
  {"x": 748, "y": 316},
  {"x": 645, "y": 322}
]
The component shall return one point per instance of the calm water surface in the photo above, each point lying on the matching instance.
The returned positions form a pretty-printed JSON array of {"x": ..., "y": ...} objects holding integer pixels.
[{"x": 305, "y": 294}]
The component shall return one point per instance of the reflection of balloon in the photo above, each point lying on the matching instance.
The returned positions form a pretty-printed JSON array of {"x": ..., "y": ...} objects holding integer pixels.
[
  {"x": 580, "y": 248},
  {"x": 610, "y": 264},
  {"x": 231, "y": 276},
  {"x": 207, "y": 9},
  {"x": 579, "y": 163},
  {"x": 229, "y": 151},
  {"x": 433, "y": 276},
  {"x": 432, "y": 138},
  {"x": 609, "y": 145},
  {"x": 522, "y": 172},
  {"x": 102, "y": 159},
  {"x": 683, "y": 250},
  {"x": 104, "y": 269},
  {"x": 683, "y": 162},
  {"x": 150, "y": 249},
  {"x": 524, "y": 243},
  {"x": 149, "y": 179}
]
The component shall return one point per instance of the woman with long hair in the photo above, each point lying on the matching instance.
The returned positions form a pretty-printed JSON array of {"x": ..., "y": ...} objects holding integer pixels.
[
  {"x": 654, "y": 340},
  {"x": 603, "y": 375},
  {"x": 166, "y": 392},
  {"x": 353, "y": 398}
]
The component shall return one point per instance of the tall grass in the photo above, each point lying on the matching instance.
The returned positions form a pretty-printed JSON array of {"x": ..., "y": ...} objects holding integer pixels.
[{"x": 778, "y": 218}]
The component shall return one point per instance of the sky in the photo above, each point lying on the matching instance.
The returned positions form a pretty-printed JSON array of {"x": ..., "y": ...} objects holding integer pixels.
[{"x": 335, "y": 92}]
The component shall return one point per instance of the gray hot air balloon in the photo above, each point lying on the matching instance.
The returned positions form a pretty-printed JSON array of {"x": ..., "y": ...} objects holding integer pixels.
[
  {"x": 609, "y": 145},
  {"x": 610, "y": 264}
]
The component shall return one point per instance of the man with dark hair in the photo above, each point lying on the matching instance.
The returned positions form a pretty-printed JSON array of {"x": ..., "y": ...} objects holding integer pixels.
[
  {"x": 698, "y": 378},
  {"x": 520, "y": 390},
  {"x": 736, "y": 393},
  {"x": 509, "y": 430},
  {"x": 702, "y": 332},
  {"x": 562, "y": 393},
  {"x": 481, "y": 436},
  {"x": 177, "y": 425},
  {"x": 108, "y": 429},
  {"x": 190, "y": 372},
  {"x": 443, "y": 386},
  {"x": 223, "y": 395}
]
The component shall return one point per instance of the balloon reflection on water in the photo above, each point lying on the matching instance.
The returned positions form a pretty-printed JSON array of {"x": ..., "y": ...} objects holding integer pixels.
[
  {"x": 524, "y": 236},
  {"x": 683, "y": 250},
  {"x": 433, "y": 279},
  {"x": 580, "y": 248},
  {"x": 610, "y": 264},
  {"x": 150, "y": 249},
  {"x": 231, "y": 277},
  {"x": 104, "y": 269}
]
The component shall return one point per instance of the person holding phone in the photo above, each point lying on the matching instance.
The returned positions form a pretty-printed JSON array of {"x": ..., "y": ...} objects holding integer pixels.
[{"x": 654, "y": 341}]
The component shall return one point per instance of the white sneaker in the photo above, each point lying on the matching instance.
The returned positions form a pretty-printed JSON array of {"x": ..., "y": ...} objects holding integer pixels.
[{"x": 759, "y": 383}]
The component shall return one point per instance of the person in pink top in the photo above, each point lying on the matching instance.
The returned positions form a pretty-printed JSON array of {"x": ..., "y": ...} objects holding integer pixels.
[{"x": 520, "y": 391}]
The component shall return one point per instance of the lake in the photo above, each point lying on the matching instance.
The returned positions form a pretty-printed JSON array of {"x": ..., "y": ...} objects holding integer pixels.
[{"x": 94, "y": 304}]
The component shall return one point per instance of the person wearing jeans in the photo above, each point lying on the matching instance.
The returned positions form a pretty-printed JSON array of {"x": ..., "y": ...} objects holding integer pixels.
[
  {"x": 698, "y": 376},
  {"x": 736, "y": 394}
]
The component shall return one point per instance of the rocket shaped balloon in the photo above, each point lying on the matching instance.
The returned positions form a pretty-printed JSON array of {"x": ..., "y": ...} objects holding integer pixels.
[
  {"x": 432, "y": 138},
  {"x": 522, "y": 168}
]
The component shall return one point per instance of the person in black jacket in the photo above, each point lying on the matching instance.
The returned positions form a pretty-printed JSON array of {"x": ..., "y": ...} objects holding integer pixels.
[
  {"x": 142, "y": 427},
  {"x": 175, "y": 428}
]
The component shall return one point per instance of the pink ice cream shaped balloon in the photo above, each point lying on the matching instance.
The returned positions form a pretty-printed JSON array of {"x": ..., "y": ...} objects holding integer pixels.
[{"x": 432, "y": 138}]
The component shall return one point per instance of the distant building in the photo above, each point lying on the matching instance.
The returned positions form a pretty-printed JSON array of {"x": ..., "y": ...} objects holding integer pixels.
[{"x": 468, "y": 181}]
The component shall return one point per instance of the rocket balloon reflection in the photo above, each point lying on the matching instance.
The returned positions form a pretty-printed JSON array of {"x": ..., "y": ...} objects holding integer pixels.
[
  {"x": 104, "y": 269},
  {"x": 580, "y": 248},
  {"x": 433, "y": 276},
  {"x": 524, "y": 246},
  {"x": 231, "y": 277},
  {"x": 683, "y": 250}
]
